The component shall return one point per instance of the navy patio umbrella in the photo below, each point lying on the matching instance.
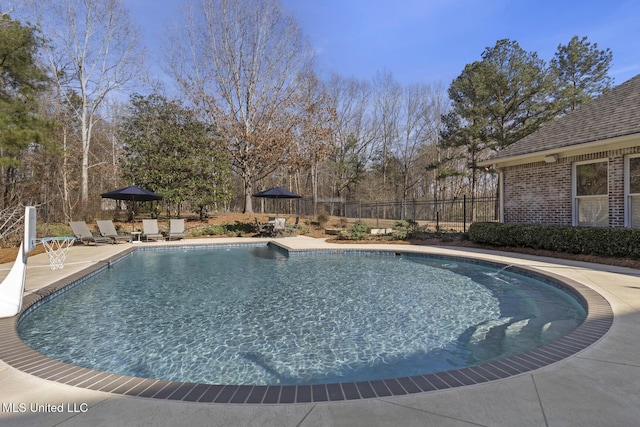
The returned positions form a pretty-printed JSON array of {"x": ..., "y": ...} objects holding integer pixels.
[
  {"x": 277, "y": 193},
  {"x": 133, "y": 194}
]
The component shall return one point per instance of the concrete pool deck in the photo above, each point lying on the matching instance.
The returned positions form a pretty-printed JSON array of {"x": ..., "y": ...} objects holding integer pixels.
[{"x": 597, "y": 386}]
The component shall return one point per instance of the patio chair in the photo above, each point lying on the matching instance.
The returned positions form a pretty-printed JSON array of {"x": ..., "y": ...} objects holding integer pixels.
[
  {"x": 150, "y": 229},
  {"x": 279, "y": 226},
  {"x": 263, "y": 230},
  {"x": 107, "y": 229},
  {"x": 176, "y": 229},
  {"x": 293, "y": 228},
  {"x": 84, "y": 235}
]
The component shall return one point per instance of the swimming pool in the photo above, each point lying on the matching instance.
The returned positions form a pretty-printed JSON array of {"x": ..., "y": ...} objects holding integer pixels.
[{"x": 278, "y": 319}]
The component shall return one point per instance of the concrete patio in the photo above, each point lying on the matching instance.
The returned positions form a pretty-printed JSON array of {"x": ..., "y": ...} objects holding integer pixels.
[{"x": 598, "y": 386}]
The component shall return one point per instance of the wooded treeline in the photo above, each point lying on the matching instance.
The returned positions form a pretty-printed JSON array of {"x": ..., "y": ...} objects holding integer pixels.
[{"x": 79, "y": 115}]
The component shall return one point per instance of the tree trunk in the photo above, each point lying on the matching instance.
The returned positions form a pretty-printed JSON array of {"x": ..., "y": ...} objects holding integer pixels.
[
  {"x": 314, "y": 184},
  {"x": 66, "y": 198},
  {"x": 248, "y": 203}
]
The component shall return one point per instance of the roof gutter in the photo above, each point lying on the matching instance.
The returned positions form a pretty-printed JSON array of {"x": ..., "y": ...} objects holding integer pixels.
[{"x": 555, "y": 154}]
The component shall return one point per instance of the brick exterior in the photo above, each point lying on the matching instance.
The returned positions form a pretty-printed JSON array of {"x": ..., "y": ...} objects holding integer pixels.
[{"x": 541, "y": 192}]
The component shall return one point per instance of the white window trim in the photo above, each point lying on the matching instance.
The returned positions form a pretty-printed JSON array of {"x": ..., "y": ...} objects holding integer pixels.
[
  {"x": 627, "y": 189},
  {"x": 574, "y": 193}
]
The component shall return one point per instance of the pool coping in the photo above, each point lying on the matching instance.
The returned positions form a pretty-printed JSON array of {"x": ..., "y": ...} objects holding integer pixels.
[{"x": 22, "y": 357}]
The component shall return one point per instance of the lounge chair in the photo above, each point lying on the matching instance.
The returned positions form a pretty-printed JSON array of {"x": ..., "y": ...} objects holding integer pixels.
[
  {"x": 84, "y": 235},
  {"x": 107, "y": 229},
  {"x": 150, "y": 229},
  {"x": 176, "y": 229}
]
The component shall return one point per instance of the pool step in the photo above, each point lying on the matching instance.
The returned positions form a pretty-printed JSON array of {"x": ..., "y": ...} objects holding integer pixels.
[
  {"x": 519, "y": 335},
  {"x": 558, "y": 328},
  {"x": 510, "y": 336},
  {"x": 486, "y": 341}
]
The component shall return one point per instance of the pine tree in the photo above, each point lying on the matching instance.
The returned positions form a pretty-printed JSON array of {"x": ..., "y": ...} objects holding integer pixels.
[
  {"x": 580, "y": 72},
  {"x": 21, "y": 80}
]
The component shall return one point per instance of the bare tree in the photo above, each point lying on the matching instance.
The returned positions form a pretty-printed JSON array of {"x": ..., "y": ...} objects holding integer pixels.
[
  {"x": 93, "y": 51},
  {"x": 387, "y": 99},
  {"x": 432, "y": 159},
  {"x": 315, "y": 127},
  {"x": 238, "y": 60},
  {"x": 355, "y": 133},
  {"x": 419, "y": 125},
  {"x": 67, "y": 138}
]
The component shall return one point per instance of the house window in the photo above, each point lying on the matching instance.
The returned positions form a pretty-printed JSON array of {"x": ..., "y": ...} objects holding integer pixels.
[
  {"x": 591, "y": 189},
  {"x": 633, "y": 191}
]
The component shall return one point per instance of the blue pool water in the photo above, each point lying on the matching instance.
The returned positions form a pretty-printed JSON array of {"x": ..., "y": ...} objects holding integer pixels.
[{"x": 253, "y": 315}]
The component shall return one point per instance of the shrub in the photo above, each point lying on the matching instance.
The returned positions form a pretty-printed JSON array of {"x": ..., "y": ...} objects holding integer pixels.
[
  {"x": 322, "y": 219},
  {"x": 599, "y": 241},
  {"x": 214, "y": 230},
  {"x": 237, "y": 229},
  {"x": 400, "y": 229},
  {"x": 358, "y": 231},
  {"x": 53, "y": 230},
  {"x": 405, "y": 229},
  {"x": 399, "y": 234}
]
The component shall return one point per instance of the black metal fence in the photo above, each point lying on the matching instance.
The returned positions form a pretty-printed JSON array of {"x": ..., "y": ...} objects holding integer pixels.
[{"x": 446, "y": 215}]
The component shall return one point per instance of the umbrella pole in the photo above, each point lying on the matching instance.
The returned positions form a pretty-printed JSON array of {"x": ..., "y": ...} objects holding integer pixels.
[{"x": 133, "y": 215}]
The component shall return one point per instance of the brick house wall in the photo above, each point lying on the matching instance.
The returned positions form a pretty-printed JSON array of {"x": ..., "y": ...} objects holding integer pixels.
[{"x": 542, "y": 192}]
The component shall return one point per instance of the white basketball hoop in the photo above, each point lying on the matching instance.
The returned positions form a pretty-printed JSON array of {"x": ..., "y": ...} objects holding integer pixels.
[{"x": 56, "y": 248}]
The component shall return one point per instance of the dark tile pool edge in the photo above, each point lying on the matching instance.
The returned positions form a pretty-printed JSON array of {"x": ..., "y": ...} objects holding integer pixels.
[{"x": 22, "y": 357}]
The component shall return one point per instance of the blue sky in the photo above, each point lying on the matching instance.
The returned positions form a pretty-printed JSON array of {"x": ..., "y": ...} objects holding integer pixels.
[{"x": 430, "y": 41}]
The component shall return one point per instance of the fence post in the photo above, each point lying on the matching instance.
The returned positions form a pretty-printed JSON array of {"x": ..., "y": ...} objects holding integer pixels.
[{"x": 464, "y": 213}]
